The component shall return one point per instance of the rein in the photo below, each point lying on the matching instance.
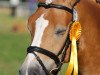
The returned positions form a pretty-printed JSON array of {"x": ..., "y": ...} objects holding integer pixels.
[{"x": 58, "y": 62}]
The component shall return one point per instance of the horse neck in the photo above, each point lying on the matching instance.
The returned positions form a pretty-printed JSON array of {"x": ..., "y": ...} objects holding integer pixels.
[
  {"x": 89, "y": 44},
  {"x": 89, "y": 17}
]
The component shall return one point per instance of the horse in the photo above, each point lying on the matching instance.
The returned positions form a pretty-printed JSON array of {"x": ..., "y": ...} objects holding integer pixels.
[{"x": 49, "y": 28}]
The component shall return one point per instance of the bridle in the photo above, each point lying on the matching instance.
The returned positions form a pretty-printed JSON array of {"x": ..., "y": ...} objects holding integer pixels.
[{"x": 58, "y": 62}]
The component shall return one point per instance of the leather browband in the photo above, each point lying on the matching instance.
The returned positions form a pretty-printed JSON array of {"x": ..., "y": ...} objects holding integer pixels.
[{"x": 46, "y": 6}]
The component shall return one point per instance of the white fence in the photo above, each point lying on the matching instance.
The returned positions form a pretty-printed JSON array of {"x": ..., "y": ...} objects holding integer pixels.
[{"x": 22, "y": 9}]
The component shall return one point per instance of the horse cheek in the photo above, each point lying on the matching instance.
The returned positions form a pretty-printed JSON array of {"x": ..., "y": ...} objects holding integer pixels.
[{"x": 67, "y": 58}]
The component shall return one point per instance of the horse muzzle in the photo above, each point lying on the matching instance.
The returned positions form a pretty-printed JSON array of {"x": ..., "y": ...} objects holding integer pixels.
[
  {"x": 31, "y": 71},
  {"x": 31, "y": 66}
]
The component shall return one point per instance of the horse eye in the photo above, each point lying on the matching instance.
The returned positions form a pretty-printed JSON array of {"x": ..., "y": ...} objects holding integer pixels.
[{"x": 60, "y": 32}]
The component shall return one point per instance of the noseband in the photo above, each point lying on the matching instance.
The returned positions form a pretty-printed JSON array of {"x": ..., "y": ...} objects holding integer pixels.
[{"x": 59, "y": 62}]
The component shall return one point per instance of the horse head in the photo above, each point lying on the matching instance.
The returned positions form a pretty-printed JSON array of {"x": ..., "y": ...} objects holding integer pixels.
[{"x": 49, "y": 27}]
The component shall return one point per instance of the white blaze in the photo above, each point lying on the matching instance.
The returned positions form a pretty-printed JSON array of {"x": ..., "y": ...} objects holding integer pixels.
[
  {"x": 48, "y": 1},
  {"x": 41, "y": 24}
]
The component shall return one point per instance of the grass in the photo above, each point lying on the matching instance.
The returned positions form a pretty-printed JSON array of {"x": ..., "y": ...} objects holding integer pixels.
[
  {"x": 13, "y": 46},
  {"x": 7, "y": 21},
  {"x": 12, "y": 52}
]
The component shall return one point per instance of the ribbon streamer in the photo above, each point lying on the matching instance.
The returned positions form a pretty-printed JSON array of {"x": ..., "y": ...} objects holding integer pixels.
[{"x": 75, "y": 33}]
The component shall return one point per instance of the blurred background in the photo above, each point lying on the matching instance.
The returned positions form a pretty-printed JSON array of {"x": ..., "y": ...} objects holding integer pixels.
[{"x": 14, "y": 35}]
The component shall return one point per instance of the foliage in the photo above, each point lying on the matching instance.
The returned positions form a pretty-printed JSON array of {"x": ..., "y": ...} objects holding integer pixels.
[
  {"x": 12, "y": 52},
  {"x": 12, "y": 45}
]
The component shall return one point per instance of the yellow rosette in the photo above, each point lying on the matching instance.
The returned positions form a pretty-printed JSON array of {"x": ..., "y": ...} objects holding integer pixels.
[{"x": 75, "y": 33}]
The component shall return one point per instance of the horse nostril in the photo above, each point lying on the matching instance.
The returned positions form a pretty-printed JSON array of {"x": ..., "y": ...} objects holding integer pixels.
[
  {"x": 36, "y": 70},
  {"x": 35, "y": 74},
  {"x": 20, "y": 72}
]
